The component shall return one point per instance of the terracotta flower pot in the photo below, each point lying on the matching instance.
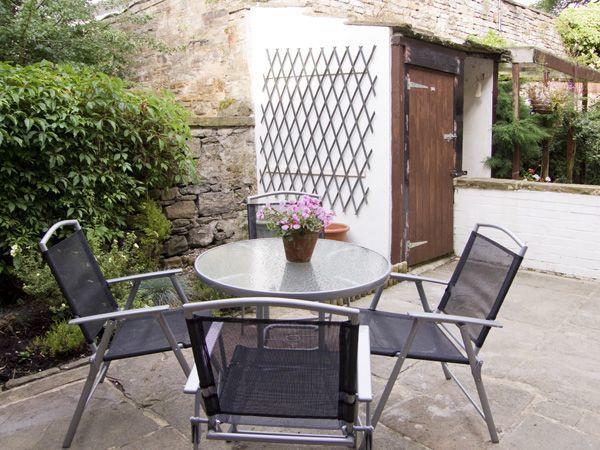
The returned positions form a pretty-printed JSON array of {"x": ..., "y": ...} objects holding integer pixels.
[
  {"x": 300, "y": 247},
  {"x": 336, "y": 231}
]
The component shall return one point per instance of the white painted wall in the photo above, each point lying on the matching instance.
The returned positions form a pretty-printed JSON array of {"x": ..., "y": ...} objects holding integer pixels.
[
  {"x": 562, "y": 230},
  {"x": 270, "y": 28},
  {"x": 477, "y": 122}
]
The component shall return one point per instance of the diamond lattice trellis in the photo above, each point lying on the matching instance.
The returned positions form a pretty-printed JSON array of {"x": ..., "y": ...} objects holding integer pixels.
[{"x": 316, "y": 115}]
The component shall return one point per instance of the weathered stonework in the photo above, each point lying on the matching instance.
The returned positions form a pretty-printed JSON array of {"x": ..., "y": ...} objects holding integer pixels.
[
  {"x": 211, "y": 211},
  {"x": 208, "y": 71}
]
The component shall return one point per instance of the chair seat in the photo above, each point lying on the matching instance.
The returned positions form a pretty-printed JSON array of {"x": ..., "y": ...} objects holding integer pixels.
[
  {"x": 281, "y": 383},
  {"x": 389, "y": 332},
  {"x": 144, "y": 336}
]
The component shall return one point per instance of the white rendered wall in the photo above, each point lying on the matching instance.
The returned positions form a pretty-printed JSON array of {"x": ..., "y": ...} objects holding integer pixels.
[
  {"x": 270, "y": 28},
  {"x": 561, "y": 230},
  {"x": 477, "y": 122}
]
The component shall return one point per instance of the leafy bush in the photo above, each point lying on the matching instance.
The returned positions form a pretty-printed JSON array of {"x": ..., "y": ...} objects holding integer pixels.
[
  {"x": 61, "y": 338},
  {"x": 78, "y": 144},
  {"x": 528, "y": 132},
  {"x": 65, "y": 31},
  {"x": 121, "y": 258},
  {"x": 152, "y": 228},
  {"x": 491, "y": 38},
  {"x": 579, "y": 29}
]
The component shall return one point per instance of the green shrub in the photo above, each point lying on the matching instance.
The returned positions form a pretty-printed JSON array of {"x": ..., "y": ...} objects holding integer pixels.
[
  {"x": 79, "y": 144},
  {"x": 119, "y": 259},
  {"x": 66, "y": 31},
  {"x": 528, "y": 132},
  {"x": 152, "y": 228},
  {"x": 579, "y": 29},
  {"x": 60, "y": 339}
]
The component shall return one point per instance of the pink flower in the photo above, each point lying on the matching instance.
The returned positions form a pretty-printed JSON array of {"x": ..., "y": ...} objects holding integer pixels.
[
  {"x": 285, "y": 227},
  {"x": 296, "y": 226}
]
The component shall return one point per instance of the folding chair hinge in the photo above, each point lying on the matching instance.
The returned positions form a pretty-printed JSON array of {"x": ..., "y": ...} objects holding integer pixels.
[{"x": 208, "y": 391}]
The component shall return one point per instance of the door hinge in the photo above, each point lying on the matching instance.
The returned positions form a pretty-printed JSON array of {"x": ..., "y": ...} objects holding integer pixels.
[
  {"x": 449, "y": 136},
  {"x": 410, "y": 244},
  {"x": 414, "y": 85}
]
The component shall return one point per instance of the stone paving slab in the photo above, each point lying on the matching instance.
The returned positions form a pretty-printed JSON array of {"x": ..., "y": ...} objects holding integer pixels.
[{"x": 542, "y": 373}]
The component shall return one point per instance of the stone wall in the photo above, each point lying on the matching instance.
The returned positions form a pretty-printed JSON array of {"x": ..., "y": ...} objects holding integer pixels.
[
  {"x": 211, "y": 211},
  {"x": 208, "y": 69}
]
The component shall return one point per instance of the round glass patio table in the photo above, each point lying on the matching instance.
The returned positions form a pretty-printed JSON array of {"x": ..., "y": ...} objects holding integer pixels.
[{"x": 258, "y": 267}]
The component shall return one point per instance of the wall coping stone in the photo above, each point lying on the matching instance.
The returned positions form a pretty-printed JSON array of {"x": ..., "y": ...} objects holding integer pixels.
[
  {"x": 523, "y": 185},
  {"x": 220, "y": 122}
]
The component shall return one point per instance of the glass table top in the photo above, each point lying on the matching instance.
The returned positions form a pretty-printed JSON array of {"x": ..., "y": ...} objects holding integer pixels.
[{"x": 258, "y": 267}]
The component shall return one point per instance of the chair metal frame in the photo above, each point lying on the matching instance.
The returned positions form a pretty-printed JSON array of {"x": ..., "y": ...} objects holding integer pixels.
[
  {"x": 298, "y": 194},
  {"x": 112, "y": 321},
  {"x": 463, "y": 343},
  {"x": 348, "y": 438}
]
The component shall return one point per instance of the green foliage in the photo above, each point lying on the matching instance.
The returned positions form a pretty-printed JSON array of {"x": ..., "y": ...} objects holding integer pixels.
[
  {"x": 119, "y": 259},
  {"x": 555, "y": 6},
  {"x": 152, "y": 228},
  {"x": 579, "y": 29},
  {"x": 78, "y": 144},
  {"x": 528, "y": 132},
  {"x": 67, "y": 31},
  {"x": 200, "y": 292},
  {"x": 492, "y": 39},
  {"x": 61, "y": 338},
  {"x": 587, "y": 135},
  {"x": 224, "y": 104}
]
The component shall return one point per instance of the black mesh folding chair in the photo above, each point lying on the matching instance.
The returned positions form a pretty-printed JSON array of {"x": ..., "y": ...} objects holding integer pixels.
[
  {"x": 469, "y": 306},
  {"x": 257, "y": 229},
  {"x": 279, "y": 374},
  {"x": 111, "y": 333}
]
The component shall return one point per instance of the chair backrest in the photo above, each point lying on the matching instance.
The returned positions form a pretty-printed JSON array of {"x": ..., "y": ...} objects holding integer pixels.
[
  {"x": 256, "y": 229},
  {"x": 481, "y": 280},
  {"x": 276, "y": 368},
  {"x": 78, "y": 276}
]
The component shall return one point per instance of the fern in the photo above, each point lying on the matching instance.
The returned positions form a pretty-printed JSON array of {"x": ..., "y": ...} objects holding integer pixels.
[{"x": 527, "y": 132}]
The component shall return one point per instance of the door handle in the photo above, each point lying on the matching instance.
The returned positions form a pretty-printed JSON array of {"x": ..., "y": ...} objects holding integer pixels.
[{"x": 449, "y": 136}]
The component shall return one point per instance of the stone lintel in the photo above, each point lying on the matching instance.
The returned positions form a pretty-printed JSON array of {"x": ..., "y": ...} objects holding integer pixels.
[{"x": 220, "y": 122}]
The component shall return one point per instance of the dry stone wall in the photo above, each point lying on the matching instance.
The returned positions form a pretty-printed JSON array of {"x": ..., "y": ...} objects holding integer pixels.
[{"x": 212, "y": 210}]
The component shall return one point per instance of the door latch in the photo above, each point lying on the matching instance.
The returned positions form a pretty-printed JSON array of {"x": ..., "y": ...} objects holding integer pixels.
[
  {"x": 458, "y": 173},
  {"x": 449, "y": 136},
  {"x": 410, "y": 244}
]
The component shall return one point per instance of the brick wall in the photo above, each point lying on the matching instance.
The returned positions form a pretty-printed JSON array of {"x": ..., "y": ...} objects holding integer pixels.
[{"x": 560, "y": 223}]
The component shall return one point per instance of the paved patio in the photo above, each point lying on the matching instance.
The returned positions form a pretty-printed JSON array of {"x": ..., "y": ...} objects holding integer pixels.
[{"x": 542, "y": 373}]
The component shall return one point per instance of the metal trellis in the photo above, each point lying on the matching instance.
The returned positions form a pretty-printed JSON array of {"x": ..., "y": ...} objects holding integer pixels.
[{"x": 317, "y": 115}]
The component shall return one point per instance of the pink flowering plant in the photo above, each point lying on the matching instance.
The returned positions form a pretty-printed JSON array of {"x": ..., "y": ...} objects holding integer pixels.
[{"x": 293, "y": 218}]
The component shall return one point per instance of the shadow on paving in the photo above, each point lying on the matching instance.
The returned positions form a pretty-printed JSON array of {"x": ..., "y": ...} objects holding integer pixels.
[{"x": 542, "y": 373}]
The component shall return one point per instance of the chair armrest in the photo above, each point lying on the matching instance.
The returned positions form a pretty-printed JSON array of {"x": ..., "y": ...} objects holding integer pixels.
[
  {"x": 116, "y": 315},
  {"x": 193, "y": 383},
  {"x": 365, "y": 392},
  {"x": 447, "y": 318},
  {"x": 415, "y": 278},
  {"x": 145, "y": 276}
]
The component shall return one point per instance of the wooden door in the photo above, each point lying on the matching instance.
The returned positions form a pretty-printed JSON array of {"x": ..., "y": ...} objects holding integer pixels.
[{"x": 431, "y": 161}]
